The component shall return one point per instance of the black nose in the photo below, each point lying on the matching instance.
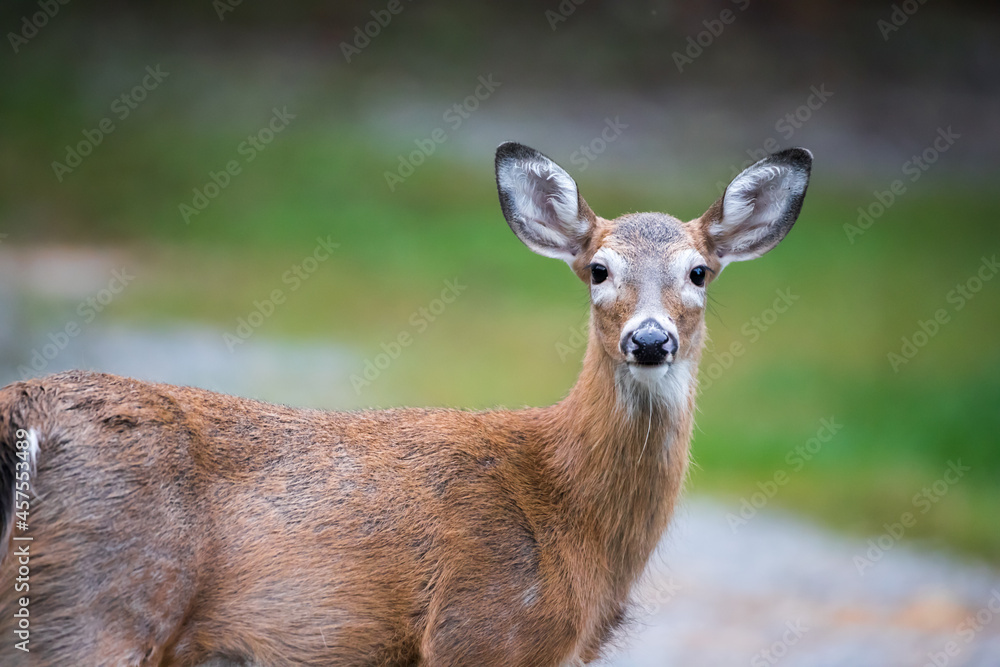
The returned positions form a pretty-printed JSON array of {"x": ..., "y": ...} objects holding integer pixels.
[{"x": 650, "y": 344}]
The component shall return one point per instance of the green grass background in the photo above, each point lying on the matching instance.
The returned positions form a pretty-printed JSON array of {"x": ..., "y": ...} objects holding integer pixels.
[{"x": 497, "y": 344}]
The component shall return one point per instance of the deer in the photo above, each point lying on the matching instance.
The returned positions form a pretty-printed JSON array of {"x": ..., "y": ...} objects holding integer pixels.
[{"x": 173, "y": 526}]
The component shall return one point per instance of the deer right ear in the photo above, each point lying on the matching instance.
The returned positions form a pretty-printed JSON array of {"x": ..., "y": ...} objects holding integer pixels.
[
  {"x": 541, "y": 203},
  {"x": 759, "y": 206}
]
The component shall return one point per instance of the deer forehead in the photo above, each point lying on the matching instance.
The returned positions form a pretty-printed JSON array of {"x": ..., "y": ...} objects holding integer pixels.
[{"x": 648, "y": 248}]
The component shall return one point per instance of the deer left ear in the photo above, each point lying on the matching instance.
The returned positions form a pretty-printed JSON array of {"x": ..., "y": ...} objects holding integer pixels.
[
  {"x": 541, "y": 203},
  {"x": 758, "y": 208}
]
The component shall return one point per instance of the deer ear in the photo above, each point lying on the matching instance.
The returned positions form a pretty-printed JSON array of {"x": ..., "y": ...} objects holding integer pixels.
[
  {"x": 759, "y": 207},
  {"x": 541, "y": 203}
]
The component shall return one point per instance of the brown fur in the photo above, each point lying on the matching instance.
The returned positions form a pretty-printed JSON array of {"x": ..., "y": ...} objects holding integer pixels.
[{"x": 175, "y": 525}]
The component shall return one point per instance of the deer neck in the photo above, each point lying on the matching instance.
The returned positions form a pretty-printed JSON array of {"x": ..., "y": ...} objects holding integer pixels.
[{"x": 622, "y": 450}]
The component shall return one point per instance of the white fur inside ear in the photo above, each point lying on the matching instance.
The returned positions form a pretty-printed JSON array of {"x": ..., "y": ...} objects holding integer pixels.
[
  {"x": 564, "y": 199},
  {"x": 546, "y": 204},
  {"x": 754, "y": 202}
]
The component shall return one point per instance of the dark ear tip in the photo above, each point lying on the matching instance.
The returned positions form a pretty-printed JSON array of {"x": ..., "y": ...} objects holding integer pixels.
[
  {"x": 506, "y": 146},
  {"x": 797, "y": 157},
  {"x": 513, "y": 150}
]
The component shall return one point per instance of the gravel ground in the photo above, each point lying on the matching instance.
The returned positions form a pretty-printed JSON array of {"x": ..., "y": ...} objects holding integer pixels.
[
  {"x": 305, "y": 374},
  {"x": 784, "y": 591}
]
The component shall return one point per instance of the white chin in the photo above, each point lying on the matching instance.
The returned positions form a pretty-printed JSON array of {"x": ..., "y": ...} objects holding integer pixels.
[{"x": 648, "y": 375}]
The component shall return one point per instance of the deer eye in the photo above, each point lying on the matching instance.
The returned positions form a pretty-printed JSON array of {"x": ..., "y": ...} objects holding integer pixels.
[
  {"x": 598, "y": 273},
  {"x": 698, "y": 275}
]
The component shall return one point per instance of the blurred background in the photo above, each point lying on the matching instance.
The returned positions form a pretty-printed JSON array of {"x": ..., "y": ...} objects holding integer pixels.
[{"x": 296, "y": 202}]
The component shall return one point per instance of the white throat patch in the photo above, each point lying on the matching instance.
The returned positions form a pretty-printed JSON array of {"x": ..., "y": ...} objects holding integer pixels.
[{"x": 668, "y": 385}]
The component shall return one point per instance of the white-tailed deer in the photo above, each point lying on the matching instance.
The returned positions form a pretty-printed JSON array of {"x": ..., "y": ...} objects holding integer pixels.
[{"x": 174, "y": 525}]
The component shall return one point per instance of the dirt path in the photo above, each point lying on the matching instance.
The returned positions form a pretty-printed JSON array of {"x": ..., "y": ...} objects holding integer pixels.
[{"x": 783, "y": 591}]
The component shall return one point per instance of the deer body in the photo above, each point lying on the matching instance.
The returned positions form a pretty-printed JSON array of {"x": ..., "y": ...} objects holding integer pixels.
[{"x": 175, "y": 525}]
